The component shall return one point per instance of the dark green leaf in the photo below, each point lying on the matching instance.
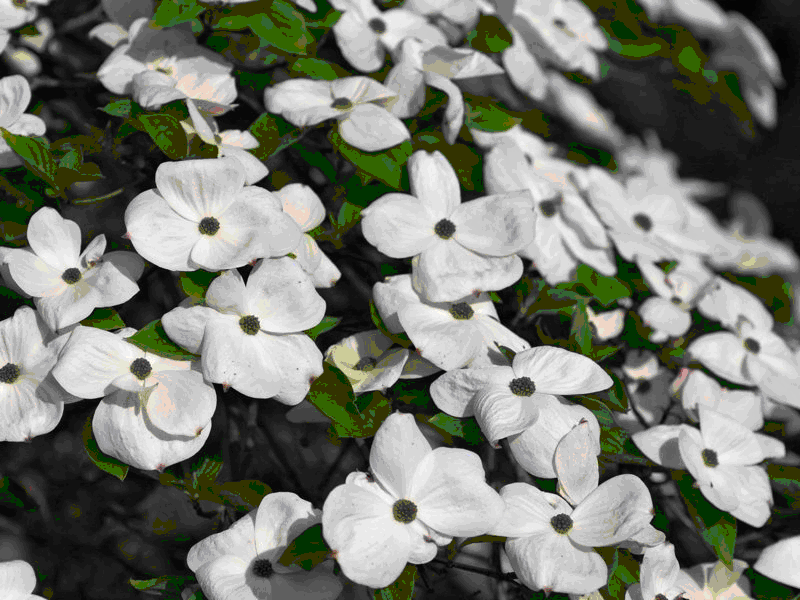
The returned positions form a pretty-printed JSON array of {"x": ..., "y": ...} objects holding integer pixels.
[
  {"x": 402, "y": 588},
  {"x": 386, "y": 166},
  {"x": 580, "y": 335},
  {"x": 332, "y": 393},
  {"x": 273, "y": 134},
  {"x": 506, "y": 351},
  {"x": 36, "y": 154},
  {"x": 484, "y": 114},
  {"x": 168, "y": 587},
  {"x": 489, "y": 35},
  {"x": 109, "y": 464},
  {"x": 118, "y": 108},
  {"x": 307, "y": 550},
  {"x": 326, "y": 324},
  {"x": 716, "y": 526},
  {"x": 282, "y": 27},
  {"x": 195, "y": 283},
  {"x": 173, "y": 12},
  {"x": 167, "y": 133},
  {"x": 467, "y": 429},
  {"x": 605, "y": 289},
  {"x": 622, "y": 573},
  {"x": 152, "y": 338},
  {"x": 465, "y": 159},
  {"x": 316, "y": 68},
  {"x": 104, "y": 318},
  {"x": 246, "y": 494}
]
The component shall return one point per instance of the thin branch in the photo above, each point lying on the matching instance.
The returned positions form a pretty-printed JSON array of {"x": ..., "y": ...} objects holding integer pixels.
[{"x": 512, "y": 577}]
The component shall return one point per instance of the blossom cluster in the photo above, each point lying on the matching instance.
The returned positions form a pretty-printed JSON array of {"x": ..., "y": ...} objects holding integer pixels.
[{"x": 542, "y": 214}]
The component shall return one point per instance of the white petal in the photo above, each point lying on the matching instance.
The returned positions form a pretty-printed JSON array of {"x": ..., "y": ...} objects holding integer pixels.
[
  {"x": 558, "y": 371},
  {"x": 396, "y": 473},
  {"x": 576, "y": 464},
  {"x": 781, "y": 561}
]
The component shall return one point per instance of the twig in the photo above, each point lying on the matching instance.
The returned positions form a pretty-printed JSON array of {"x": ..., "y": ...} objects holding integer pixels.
[
  {"x": 77, "y": 22},
  {"x": 480, "y": 570},
  {"x": 99, "y": 198}
]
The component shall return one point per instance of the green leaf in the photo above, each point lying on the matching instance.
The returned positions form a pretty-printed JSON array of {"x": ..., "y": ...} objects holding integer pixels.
[
  {"x": 167, "y": 133},
  {"x": 332, "y": 393},
  {"x": 195, "y": 283},
  {"x": 616, "y": 397},
  {"x": 118, "y": 108},
  {"x": 152, "y": 338},
  {"x": 326, "y": 324},
  {"x": 622, "y": 573},
  {"x": 307, "y": 550},
  {"x": 386, "y": 166},
  {"x": 605, "y": 289},
  {"x": 282, "y": 27},
  {"x": 109, "y": 464},
  {"x": 246, "y": 493},
  {"x": 467, "y": 429},
  {"x": 615, "y": 442},
  {"x": 106, "y": 319},
  {"x": 274, "y": 134},
  {"x": 466, "y": 160},
  {"x": 489, "y": 35},
  {"x": 173, "y": 12},
  {"x": 402, "y": 588},
  {"x": 397, "y": 338},
  {"x": 166, "y": 586},
  {"x": 7, "y": 495},
  {"x": 316, "y": 68},
  {"x": 36, "y": 154},
  {"x": 716, "y": 526},
  {"x": 580, "y": 335},
  {"x": 484, "y": 114},
  {"x": 506, "y": 351}
]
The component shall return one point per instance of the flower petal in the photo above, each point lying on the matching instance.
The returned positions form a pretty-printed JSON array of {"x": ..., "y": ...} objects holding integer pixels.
[
  {"x": 186, "y": 326},
  {"x": 301, "y": 203},
  {"x": 558, "y": 371},
  {"x": 452, "y": 495},
  {"x": 397, "y": 473},
  {"x": 781, "y": 561},
  {"x": 182, "y": 403},
  {"x": 434, "y": 182},
  {"x": 372, "y": 128},
  {"x": 54, "y": 239},
  {"x": 238, "y": 540},
  {"x": 371, "y": 547},
  {"x": 617, "y": 509},
  {"x": 723, "y": 353},
  {"x": 660, "y": 444},
  {"x": 200, "y": 188},
  {"x": 576, "y": 464},
  {"x": 501, "y": 414},
  {"x": 225, "y": 577},
  {"x": 455, "y": 391},
  {"x": 159, "y": 234},
  {"x": 528, "y": 511},
  {"x": 281, "y": 517},
  {"x": 399, "y": 225},
  {"x": 17, "y": 577},
  {"x": 302, "y": 102},
  {"x": 358, "y": 43},
  {"x": 495, "y": 225}
]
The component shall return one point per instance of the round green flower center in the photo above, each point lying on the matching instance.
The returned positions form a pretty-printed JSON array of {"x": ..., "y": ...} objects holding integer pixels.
[
  {"x": 250, "y": 324},
  {"x": 548, "y": 208},
  {"x": 367, "y": 363},
  {"x": 676, "y": 301},
  {"x": 522, "y": 386},
  {"x": 709, "y": 458},
  {"x": 643, "y": 222},
  {"x": 461, "y": 311},
  {"x": 208, "y": 226},
  {"x": 561, "y": 523},
  {"x": 141, "y": 368},
  {"x": 752, "y": 345},
  {"x": 341, "y": 104},
  {"x": 262, "y": 568},
  {"x": 404, "y": 511},
  {"x": 9, "y": 373},
  {"x": 660, "y": 597},
  {"x": 445, "y": 229},
  {"x": 71, "y": 276},
  {"x": 377, "y": 25}
]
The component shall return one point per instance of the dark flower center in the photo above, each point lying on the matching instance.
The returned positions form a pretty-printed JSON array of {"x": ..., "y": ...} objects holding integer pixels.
[
  {"x": 141, "y": 368},
  {"x": 377, "y": 25},
  {"x": 643, "y": 222},
  {"x": 522, "y": 386},
  {"x": 262, "y": 568},
  {"x": 208, "y": 226},
  {"x": 752, "y": 345},
  {"x": 342, "y": 104},
  {"x": 9, "y": 373},
  {"x": 404, "y": 511},
  {"x": 709, "y": 457},
  {"x": 250, "y": 324},
  {"x": 461, "y": 311},
  {"x": 367, "y": 363},
  {"x": 561, "y": 523},
  {"x": 660, "y": 597},
  {"x": 71, "y": 276},
  {"x": 548, "y": 208},
  {"x": 445, "y": 229}
]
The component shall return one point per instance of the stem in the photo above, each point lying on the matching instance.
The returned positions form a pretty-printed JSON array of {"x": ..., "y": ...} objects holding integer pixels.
[
  {"x": 99, "y": 198},
  {"x": 480, "y": 570}
]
